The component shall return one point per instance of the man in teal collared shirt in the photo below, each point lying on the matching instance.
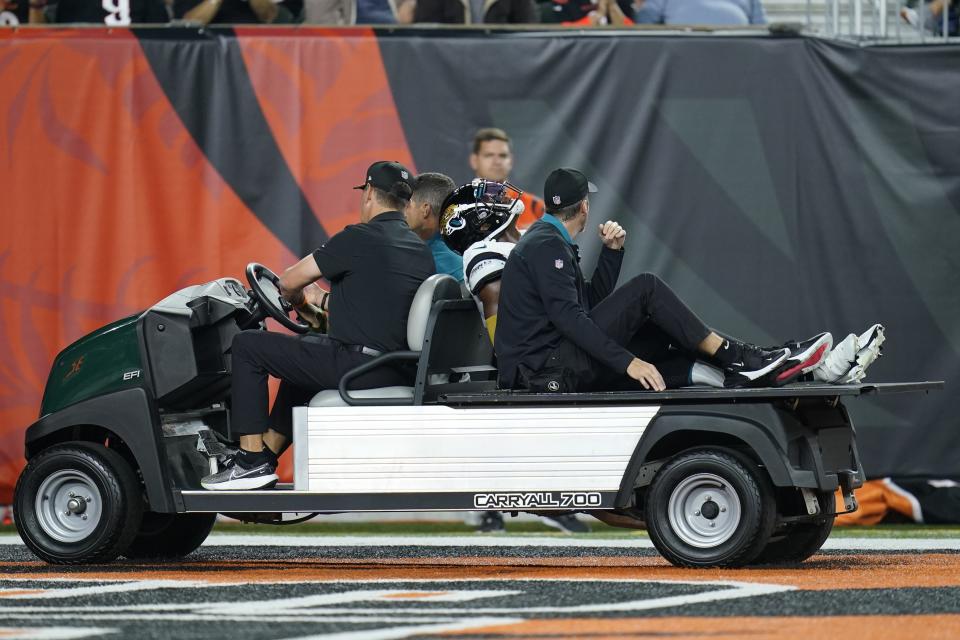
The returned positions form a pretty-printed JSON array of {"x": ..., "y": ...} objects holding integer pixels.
[{"x": 423, "y": 217}]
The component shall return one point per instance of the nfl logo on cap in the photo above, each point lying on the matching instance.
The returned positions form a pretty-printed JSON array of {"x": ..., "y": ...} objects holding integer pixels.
[
  {"x": 558, "y": 263},
  {"x": 556, "y": 199}
]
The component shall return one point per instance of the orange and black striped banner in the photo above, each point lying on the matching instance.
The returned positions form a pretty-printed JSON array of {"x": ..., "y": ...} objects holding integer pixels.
[{"x": 783, "y": 186}]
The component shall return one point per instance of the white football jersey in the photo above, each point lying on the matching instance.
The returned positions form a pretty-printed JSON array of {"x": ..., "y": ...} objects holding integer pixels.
[{"x": 483, "y": 262}]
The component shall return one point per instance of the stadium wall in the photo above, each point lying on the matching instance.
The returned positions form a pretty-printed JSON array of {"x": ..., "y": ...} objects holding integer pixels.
[{"x": 782, "y": 185}]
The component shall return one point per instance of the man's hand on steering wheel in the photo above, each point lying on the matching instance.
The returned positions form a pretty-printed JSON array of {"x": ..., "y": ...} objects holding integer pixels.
[
  {"x": 277, "y": 296},
  {"x": 314, "y": 316},
  {"x": 311, "y": 305},
  {"x": 265, "y": 287},
  {"x": 315, "y": 295}
]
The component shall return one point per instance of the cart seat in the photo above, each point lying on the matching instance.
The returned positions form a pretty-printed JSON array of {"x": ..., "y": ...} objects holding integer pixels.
[
  {"x": 437, "y": 287},
  {"x": 331, "y": 397}
]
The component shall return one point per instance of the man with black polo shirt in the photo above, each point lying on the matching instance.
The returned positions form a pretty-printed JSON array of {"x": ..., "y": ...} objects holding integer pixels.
[
  {"x": 557, "y": 332},
  {"x": 374, "y": 269}
]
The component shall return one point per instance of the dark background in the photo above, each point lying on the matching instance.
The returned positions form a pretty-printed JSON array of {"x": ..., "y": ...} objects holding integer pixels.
[{"x": 782, "y": 186}]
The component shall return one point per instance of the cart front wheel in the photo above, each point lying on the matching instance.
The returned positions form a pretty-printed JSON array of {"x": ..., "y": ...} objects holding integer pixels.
[{"x": 77, "y": 503}]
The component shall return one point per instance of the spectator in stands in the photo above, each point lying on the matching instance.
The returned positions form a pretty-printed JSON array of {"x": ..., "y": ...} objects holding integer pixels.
[
  {"x": 233, "y": 12},
  {"x": 933, "y": 16},
  {"x": 586, "y": 13},
  {"x": 14, "y": 12},
  {"x": 491, "y": 158},
  {"x": 112, "y": 13},
  {"x": 476, "y": 11},
  {"x": 342, "y": 12},
  {"x": 423, "y": 217},
  {"x": 707, "y": 12}
]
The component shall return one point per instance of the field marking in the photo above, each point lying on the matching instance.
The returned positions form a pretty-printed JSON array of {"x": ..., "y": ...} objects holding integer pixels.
[
  {"x": 297, "y": 607},
  {"x": 403, "y": 632},
  {"x": 51, "y": 633},
  {"x": 100, "y": 589},
  {"x": 308, "y": 603}
]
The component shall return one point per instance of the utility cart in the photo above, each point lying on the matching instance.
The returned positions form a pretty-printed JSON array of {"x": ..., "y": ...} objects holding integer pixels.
[{"x": 135, "y": 413}]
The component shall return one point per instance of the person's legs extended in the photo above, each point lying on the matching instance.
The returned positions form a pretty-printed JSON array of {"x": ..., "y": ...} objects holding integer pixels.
[
  {"x": 652, "y": 344},
  {"x": 648, "y": 299}
]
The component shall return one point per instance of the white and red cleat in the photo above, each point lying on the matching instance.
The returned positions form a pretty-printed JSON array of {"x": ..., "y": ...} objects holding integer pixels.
[{"x": 805, "y": 356}]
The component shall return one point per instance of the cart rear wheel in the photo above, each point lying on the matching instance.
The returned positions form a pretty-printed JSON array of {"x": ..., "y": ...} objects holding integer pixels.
[
  {"x": 77, "y": 503},
  {"x": 802, "y": 540},
  {"x": 709, "y": 508}
]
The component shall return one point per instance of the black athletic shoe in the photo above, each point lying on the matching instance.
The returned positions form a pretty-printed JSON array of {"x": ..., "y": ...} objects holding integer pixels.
[
  {"x": 236, "y": 477},
  {"x": 568, "y": 523},
  {"x": 746, "y": 365},
  {"x": 491, "y": 522}
]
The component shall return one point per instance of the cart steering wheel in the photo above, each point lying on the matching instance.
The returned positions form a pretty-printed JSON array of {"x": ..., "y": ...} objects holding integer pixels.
[{"x": 265, "y": 286}]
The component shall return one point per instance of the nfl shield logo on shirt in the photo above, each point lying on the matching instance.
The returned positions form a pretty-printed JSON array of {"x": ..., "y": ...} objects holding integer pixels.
[{"x": 558, "y": 263}]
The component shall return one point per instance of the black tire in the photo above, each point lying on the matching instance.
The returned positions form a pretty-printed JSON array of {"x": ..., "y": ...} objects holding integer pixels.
[
  {"x": 742, "y": 505},
  {"x": 800, "y": 541},
  {"x": 170, "y": 535},
  {"x": 113, "y": 511}
]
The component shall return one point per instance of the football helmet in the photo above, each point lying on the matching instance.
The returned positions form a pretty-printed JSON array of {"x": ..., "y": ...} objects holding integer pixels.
[{"x": 478, "y": 211}]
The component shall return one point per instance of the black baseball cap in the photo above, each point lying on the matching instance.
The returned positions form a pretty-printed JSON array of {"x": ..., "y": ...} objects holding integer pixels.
[
  {"x": 384, "y": 174},
  {"x": 565, "y": 187}
]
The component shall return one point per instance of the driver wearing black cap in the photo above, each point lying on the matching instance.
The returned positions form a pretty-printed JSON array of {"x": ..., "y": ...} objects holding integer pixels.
[
  {"x": 374, "y": 269},
  {"x": 558, "y": 332}
]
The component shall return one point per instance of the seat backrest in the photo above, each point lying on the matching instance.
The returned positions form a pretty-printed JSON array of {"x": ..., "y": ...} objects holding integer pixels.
[
  {"x": 439, "y": 286},
  {"x": 456, "y": 343}
]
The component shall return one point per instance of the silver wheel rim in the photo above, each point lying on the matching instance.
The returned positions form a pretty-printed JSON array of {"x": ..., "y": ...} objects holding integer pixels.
[
  {"x": 68, "y": 506},
  {"x": 704, "y": 510}
]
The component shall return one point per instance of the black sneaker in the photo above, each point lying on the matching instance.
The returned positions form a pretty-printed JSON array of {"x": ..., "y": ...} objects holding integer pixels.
[
  {"x": 568, "y": 523},
  {"x": 491, "y": 522},
  {"x": 237, "y": 477},
  {"x": 746, "y": 365}
]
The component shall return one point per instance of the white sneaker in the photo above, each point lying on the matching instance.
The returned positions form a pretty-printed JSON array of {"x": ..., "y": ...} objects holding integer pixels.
[
  {"x": 848, "y": 362},
  {"x": 870, "y": 344},
  {"x": 839, "y": 361}
]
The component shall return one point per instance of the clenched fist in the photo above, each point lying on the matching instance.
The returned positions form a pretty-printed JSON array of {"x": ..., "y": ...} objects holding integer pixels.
[{"x": 612, "y": 235}]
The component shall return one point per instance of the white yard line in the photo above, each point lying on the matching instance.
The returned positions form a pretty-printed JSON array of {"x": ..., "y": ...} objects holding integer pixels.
[
  {"x": 100, "y": 589},
  {"x": 255, "y": 540},
  {"x": 52, "y": 633},
  {"x": 405, "y": 632}
]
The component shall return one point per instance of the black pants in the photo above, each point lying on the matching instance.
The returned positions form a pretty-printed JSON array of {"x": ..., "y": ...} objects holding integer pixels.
[
  {"x": 647, "y": 318},
  {"x": 304, "y": 364}
]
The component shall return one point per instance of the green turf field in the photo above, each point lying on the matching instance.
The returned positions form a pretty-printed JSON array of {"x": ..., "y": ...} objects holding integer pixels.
[
  {"x": 527, "y": 528},
  {"x": 537, "y": 529}
]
